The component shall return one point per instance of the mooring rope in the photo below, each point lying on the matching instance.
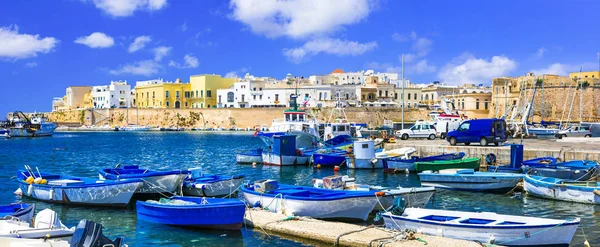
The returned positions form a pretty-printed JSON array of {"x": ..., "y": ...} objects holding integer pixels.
[{"x": 337, "y": 240}]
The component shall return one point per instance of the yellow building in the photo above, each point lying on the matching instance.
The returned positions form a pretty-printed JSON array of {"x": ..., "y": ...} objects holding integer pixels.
[
  {"x": 160, "y": 94},
  {"x": 475, "y": 102},
  {"x": 204, "y": 89},
  {"x": 76, "y": 97},
  {"x": 585, "y": 75}
]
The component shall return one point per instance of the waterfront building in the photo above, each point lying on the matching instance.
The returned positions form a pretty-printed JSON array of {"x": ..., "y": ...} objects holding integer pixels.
[
  {"x": 412, "y": 96},
  {"x": 432, "y": 93},
  {"x": 203, "y": 89},
  {"x": 115, "y": 95},
  {"x": 58, "y": 104},
  {"x": 584, "y": 75},
  {"x": 376, "y": 93},
  {"x": 162, "y": 94},
  {"x": 473, "y": 101},
  {"x": 76, "y": 97}
]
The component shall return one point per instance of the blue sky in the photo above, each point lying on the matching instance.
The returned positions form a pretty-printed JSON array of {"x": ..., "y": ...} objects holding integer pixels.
[{"x": 46, "y": 46}]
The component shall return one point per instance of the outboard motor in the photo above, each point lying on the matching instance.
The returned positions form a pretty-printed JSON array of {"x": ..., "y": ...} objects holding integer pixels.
[
  {"x": 398, "y": 206},
  {"x": 89, "y": 234}
]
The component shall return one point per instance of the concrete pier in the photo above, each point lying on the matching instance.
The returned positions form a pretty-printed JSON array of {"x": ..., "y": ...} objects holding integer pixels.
[
  {"x": 328, "y": 233},
  {"x": 576, "y": 149}
]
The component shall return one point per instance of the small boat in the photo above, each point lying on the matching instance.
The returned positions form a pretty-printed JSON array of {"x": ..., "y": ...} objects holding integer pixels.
[
  {"x": 155, "y": 182},
  {"x": 542, "y": 131},
  {"x": 484, "y": 227},
  {"x": 466, "y": 163},
  {"x": 133, "y": 127},
  {"x": 415, "y": 196},
  {"x": 63, "y": 189},
  {"x": 89, "y": 234},
  {"x": 407, "y": 164},
  {"x": 206, "y": 185},
  {"x": 24, "y": 212},
  {"x": 20, "y": 125},
  {"x": 541, "y": 161},
  {"x": 572, "y": 170},
  {"x": 310, "y": 201},
  {"x": 249, "y": 156},
  {"x": 19, "y": 224},
  {"x": 4, "y": 133},
  {"x": 329, "y": 157},
  {"x": 562, "y": 189},
  {"x": 366, "y": 157},
  {"x": 284, "y": 152},
  {"x": 211, "y": 213},
  {"x": 469, "y": 179}
]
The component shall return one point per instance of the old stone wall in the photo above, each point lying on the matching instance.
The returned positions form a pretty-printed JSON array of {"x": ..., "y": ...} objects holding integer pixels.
[{"x": 223, "y": 117}]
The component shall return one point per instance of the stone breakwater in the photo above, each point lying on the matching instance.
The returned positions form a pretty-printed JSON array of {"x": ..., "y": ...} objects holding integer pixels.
[{"x": 221, "y": 117}]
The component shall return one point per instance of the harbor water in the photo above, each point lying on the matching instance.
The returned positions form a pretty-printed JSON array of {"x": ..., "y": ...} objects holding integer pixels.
[{"x": 82, "y": 154}]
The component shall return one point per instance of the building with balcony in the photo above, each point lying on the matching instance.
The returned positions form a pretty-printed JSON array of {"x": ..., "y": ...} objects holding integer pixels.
[
  {"x": 162, "y": 94},
  {"x": 115, "y": 95},
  {"x": 203, "y": 89}
]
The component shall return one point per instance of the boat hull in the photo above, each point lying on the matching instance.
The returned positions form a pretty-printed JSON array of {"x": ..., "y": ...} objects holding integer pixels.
[
  {"x": 567, "y": 173},
  {"x": 329, "y": 159},
  {"x": 416, "y": 198},
  {"x": 273, "y": 159},
  {"x": 45, "y": 130},
  {"x": 347, "y": 208},
  {"x": 554, "y": 234},
  {"x": 494, "y": 182},
  {"x": 569, "y": 193},
  {"x": 159, "y": 184},
  {"x": 469, "y": 163},
  {"x": 402, "y": 164},
  {"x": 216, "y": 189},
  {"x": 115, "y": 194},
  {"x": 225, "y": 214},
  {"x": 248, "y": 156},
  {"x": 354, "y": 163}
]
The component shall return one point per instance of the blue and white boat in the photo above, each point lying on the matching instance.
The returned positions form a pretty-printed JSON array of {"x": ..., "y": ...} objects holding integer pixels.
[
  {"x": 310, "y": 201},
  {"x": 407, "y": 164},
  {"x": 17, "y": 219},
  {"x": 63, "y": 189},
  {"x": 540, "y": 161},
  {"x": 155, "y": 182},
  {"x": 329, "y": 157},
  {"x": 469, "y": 179},
  {"x": 4, "y": 133},
  {"x": 249, "y": 156},
  {"x": 484, "y": 227},
  {"x": 210, "y": 213},
  {"x": 284, "y": 152},
  {"x": 571, "y": 170},
  {"x": 206, "y": 185},
  {"x": 20, "y": 125},
  {"x": 562, "y": 189},
  {"x": 23, "y": 212}
]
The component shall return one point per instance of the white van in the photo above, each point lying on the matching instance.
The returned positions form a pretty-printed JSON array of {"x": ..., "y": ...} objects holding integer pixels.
[
  {"x": 445, "y": 125},
  {"x": 421, "y": 129}
]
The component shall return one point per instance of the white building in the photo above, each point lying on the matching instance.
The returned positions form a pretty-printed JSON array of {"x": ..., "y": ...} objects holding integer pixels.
[{"x": 116, "y": 95}]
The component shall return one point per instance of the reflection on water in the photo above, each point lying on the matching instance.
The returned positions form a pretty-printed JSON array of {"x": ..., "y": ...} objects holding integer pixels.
[{"x": 82, "y": 154}]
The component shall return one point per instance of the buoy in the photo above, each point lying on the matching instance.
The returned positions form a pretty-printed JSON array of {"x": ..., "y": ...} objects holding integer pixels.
[
  {"x": 406, "y": 171},
  {"x": 380, "y": 193},
  {"x": 51, "y": 194},
  {"x": 492, "y": 240},
  {"x": 30, "y": 190},
  {"x": 44, "y": 181},
  {"x": 253, "y": 164},
  {"x": 318, "y": 166},
  {"x": 586, "y": 243},
  {"x": 29, "y": 180},
  {"x": 37, "y": 181},
  {"x": 336, "y": 168}
]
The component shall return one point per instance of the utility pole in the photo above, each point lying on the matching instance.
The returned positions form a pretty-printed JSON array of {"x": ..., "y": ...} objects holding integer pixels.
[{"x": 403, "y": 91}]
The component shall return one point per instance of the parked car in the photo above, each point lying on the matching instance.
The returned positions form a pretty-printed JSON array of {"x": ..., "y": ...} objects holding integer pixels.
[
  {"x": 445, "y": 125},
  {"x": 575, "y": 131},
  {"x": 421, "y": 129},
  {"x": 484, "y": 131}
]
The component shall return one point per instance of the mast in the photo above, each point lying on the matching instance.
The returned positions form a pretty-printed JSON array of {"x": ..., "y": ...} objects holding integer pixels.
[
  {"x": 542, "y": 113},
  {"x": 580, "y": 97},
  {"x": 403, "y": 91},
  {"x": 505, "y": 93}
]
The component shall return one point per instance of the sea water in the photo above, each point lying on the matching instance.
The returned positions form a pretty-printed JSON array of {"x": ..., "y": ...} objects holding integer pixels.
[{"x": 83, "y": 154}]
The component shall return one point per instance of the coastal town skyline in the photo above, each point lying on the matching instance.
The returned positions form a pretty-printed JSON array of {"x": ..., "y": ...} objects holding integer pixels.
[{"x": 103, "y": 41}]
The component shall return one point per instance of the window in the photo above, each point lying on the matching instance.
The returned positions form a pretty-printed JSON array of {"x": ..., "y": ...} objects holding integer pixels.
[
  {"x": 153, "y": 95},
  {"x": 167, "y": 104},
  {"x": 409, "y": 96},
  {"x": 185, "y": 104},
  {"x": 415, "y": 96},
  {"x": 260, "y": 97},
  {"x": 347, "y": 96},
  {"x": 201, "y": 93},
  {"x": 260, "y": 89},
  {"x": 320, "y": 96},
  {"x": 477, "y": 104},
  {"x": 380, "y": 93},
  {"x": 464, "y": 126},
  {"x": 486, "y": 104},
  {"x": 167, "y": 94},
  {"x": 386, "y": 94},
  {"x": 219, "y": 99},
  {"x": 176, "y": 94},
  {"x": 415, "y": 127},
  {"x": 276, "y": 97},
  {"x": 208, "y": 93},
  {"x": 253, "y": 97},
  {"x": 366, "y": 145},
  {"x": 196, "y": 93},
  {"x": 395, "y": 95},
  {"x": 243, "y": 100},
  {"x": 253, "y": 89},
  {"x": 229, "y": 96}
]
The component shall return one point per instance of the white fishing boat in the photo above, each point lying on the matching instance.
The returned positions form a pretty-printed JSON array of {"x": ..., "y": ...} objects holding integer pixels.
[
  {"x": 564, "y": 190},
  {"x": 309, "y": 201},
  {"x": 207, "y": 185},
  {"x": 468, "y": 179},
  {"x": 414, "y": 196},
  {"x": 485, "y": 227},
  {"x": 155, "y": 182},
  {"x": 283, "y": 152}
]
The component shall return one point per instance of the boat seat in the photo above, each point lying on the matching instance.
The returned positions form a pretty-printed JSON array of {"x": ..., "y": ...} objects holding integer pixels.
[
  {"x": 295, "y": 192},
  {"x": 440, "y": 218},
  {"x": 475, "y": 221}
]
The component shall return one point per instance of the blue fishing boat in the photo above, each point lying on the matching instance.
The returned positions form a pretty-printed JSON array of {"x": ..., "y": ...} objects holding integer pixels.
[
  {"x": 249, "y": 156},
  {"x": 469, "y": 179},
  {"x": 310, "y": 201},
  {"x": 55, "y": 188},
  {"x": 562, "y": 189},
  {"x": 155, "y": 182},
  {"x": 407, "y": 164},
  {"x": 329, "y": 157},
  {"x": 207, "y": 185},
  {"x": 20, "y": 125},
  {"x": 541, "y": 161},
  {"x": 211, "y": 213},
  {"x": 284, "y": 152},
  {"x": 24, "y": 212},
  {"x": 4, "y": 133},
  {"x": 572, "y": 170}
]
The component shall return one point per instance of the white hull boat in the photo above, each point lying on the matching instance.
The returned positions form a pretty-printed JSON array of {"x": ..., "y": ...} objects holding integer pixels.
[
  {"x": 212, "y": 185},
  {"x": 273, "y": 159},
  {"x": 155, "y": 182},
  {"x": 471, "y": 180},
  {"x": 485, "y": 227},
  {"x": 354, "y": 163},
  {"x": 563, "y": 190}
]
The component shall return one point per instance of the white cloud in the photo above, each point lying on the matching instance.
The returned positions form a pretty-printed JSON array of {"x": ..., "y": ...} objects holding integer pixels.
[
  {"x": 468, "y": 69},
  {"x": 96, "y": 40},
  {"x": 139, "y": 43},
  {"x": 144, "y": 67},
  {"x": 161, "y": 51},
  {"x": 329, "y": 46},
  {"x": 540, "y": 53},
  {"x": 408, "y": 58},
  {"x": 421, "y": 67},
  {"x": 31, "y": 65},
  {"x": 183, "y": 27},
  {"x": 299, "y": 18},
  {"x": 422, "y": 46},
  {"x": 189, "y": 61},
  {"x": 15, "y": 45},
  {"x": 234, "y": 73},
  {"x": 123, "y": 8}
]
